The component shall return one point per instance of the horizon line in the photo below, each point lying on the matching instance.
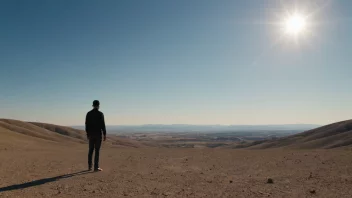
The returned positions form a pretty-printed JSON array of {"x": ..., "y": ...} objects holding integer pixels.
[{"x": 203, "y": 124}]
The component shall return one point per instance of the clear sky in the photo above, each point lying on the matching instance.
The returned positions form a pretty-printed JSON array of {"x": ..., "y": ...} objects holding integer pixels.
[{"x": 172, "y": 62}]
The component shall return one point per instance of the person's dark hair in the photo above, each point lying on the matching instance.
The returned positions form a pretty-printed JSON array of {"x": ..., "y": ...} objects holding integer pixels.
[{"x": 96, "y": 103}]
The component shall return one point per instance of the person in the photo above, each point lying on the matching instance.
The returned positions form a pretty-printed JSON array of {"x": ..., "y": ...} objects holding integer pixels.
[{"x": 95, "y": 127}]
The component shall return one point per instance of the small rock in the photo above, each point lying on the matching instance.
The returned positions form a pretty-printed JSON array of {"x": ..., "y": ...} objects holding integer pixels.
[
  {"x": 231, "y": 181},
  {"x": 270, "y": 181},
  {"x": 93, "y": 191},
  {"x": 312, "y": 191},
  {"x": 153, "y": 192},
  {"x": 310, "y": 175}
]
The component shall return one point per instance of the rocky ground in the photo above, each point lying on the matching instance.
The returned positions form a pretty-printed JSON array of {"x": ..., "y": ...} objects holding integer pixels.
[{"x": 59, "y": 171}]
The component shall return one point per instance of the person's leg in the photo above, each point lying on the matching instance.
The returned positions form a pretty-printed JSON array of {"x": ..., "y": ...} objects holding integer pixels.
[
  {"x": 90, "y": 153},
  {"x": 97, "y": 151}
]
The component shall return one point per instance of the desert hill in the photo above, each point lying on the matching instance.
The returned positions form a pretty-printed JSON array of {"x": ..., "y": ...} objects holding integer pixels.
[
  {"x": 19, "y": 131},
  {"x": 329, "y": 136}
]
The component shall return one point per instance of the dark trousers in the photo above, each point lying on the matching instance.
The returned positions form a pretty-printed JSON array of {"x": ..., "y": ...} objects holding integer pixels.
[{"x": 94, "y": 144}]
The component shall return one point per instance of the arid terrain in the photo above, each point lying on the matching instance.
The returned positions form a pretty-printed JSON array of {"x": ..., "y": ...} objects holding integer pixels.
[
  {"x": 336, "y": 135},
  {"x": 41, "y": 160}
]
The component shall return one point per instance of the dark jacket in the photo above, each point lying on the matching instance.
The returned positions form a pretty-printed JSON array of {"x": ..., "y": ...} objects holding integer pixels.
[{"x": 95, "y": 123}]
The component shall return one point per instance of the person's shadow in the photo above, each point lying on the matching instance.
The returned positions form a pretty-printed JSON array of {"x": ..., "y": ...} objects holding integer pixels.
[{"x": 41, "y": 181}]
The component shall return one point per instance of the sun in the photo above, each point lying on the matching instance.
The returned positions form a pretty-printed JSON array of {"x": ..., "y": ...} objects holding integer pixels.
[{"x": 295, "y": 24}]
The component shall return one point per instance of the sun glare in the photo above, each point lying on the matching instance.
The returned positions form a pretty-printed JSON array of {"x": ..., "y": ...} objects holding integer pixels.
[{"x": 295, "y": 24}]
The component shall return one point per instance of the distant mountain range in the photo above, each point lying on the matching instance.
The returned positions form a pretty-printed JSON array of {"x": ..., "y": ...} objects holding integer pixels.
[{"x": 206, "y": 128}]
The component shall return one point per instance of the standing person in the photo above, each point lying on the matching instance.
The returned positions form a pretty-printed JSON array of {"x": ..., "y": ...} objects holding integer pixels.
[{"x": 95, "y": 127}]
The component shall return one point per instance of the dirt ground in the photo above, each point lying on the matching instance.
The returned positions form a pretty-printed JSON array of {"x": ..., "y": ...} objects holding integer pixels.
[{"x": 58, "y": 171}]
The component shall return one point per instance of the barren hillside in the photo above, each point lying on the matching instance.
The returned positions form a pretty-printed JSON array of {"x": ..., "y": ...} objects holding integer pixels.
[
  {"x": 330, "y": 136},
  {"x": 39, "y": 132}
]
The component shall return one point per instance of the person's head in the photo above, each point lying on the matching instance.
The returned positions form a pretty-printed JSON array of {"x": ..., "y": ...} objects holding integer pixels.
[{"x": 96, "y": 104}]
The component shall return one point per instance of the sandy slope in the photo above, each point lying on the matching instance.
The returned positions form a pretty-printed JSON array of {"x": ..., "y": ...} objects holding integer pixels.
[
  {"x": 35, "y": 172},
  {"x": 26, "y": 131},
  {"x": 330, "y": 136}
]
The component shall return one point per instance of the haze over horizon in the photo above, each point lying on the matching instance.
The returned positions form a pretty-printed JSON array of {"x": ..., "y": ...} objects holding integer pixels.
[{"x": 175, "y": 62}]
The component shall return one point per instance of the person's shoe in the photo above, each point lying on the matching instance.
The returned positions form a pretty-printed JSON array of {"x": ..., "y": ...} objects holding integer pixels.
[
  {"x": 90, "y": 168},
  {"x": 98, "y": 169}
]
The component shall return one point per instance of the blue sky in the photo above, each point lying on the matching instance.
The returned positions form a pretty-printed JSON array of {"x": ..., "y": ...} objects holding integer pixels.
[{"x": 172, "y": 62}]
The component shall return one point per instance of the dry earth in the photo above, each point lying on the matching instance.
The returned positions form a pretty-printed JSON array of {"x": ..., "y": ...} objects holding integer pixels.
[
  {"x": 31, "y": 170},
  {"x": 43, "y": 160}
]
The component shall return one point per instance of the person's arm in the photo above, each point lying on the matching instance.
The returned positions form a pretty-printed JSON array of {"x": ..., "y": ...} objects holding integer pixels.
[
  {"x": 86, "y": 126},
  {"x": 103, "y": 128}
]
